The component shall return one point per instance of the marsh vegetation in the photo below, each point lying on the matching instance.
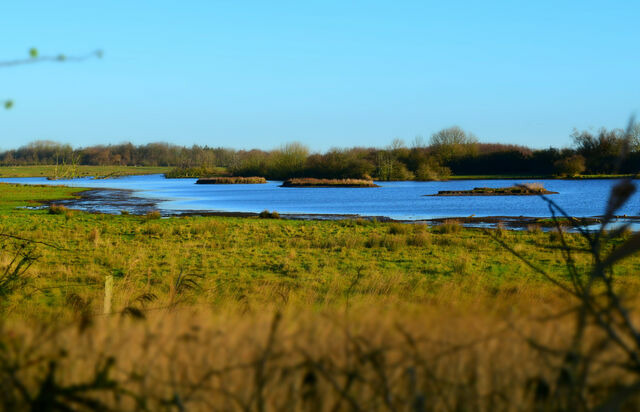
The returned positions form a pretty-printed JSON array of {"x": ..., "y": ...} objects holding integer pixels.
[
  {"x": 527, "y": 189},
  {"x": 311, "y": 182},
  {"x": 230, "y": 180},
  {"x": 227, "y": 313}
]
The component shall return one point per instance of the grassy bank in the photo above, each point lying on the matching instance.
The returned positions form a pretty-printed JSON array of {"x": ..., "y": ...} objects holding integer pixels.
[
  {"x": 261, "y": 314},
  {"x": 52, "y": 171}
]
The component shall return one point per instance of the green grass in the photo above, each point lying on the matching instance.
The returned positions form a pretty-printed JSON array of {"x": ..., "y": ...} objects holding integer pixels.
[
  {"x": 265, "y": 262},
  {"x": 79, "y": 171},
  {"x": 13, "y": 196}
]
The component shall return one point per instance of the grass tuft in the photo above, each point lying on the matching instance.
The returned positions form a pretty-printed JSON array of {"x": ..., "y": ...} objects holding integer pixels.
[
  {"x": 58, "y": 209},
  {"x": 153, "y": 215}
]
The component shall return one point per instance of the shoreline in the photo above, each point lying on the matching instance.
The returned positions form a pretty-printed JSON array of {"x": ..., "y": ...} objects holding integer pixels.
[{"x": 113, "y": 201}]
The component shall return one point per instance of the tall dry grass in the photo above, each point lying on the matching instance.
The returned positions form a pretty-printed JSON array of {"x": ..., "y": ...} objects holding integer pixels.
[{"x": 365, "y": 359}]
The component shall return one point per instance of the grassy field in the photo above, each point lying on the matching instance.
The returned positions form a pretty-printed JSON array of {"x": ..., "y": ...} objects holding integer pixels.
[
  {"x": 79, "y": 171},
  {"x": 269, "y": 262},
  {"x": 266, "y": 314}
]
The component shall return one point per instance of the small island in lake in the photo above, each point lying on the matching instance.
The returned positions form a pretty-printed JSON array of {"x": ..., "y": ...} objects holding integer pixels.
[
  {"x": 310, "y": 182},
  {"x": 230, "y": 180},
  {"x": 530, "y": 189}
]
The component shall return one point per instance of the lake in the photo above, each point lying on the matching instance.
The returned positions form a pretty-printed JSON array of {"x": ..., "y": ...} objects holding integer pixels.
[{"x": 396, "y": 200}]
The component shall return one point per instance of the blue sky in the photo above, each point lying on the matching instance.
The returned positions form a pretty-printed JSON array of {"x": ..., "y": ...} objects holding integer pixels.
[{"x": 248, "y": 74}]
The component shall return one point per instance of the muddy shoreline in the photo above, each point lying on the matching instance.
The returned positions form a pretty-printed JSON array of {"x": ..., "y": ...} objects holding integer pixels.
[{"x": 114, "y": 201}]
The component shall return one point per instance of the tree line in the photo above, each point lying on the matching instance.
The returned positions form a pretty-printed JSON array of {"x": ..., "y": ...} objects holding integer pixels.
[{"x": 449, "y": 151}]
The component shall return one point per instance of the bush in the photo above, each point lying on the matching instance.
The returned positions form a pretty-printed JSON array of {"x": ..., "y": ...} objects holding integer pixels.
[
  {"x": 432, "y": 170},
  {"x": 570, "y": 166},
  {"x": 265, "y": 214}
]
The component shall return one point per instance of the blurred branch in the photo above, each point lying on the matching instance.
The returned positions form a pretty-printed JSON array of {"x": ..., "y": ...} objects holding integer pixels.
[{"x": 34, "y": 57}]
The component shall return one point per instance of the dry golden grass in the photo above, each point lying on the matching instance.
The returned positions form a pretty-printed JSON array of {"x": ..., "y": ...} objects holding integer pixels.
[
  {"x": 231, "y": 180},
  {"x": 368, "y": 358}
]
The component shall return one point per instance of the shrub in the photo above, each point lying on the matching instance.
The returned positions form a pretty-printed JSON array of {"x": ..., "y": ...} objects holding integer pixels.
[
  {"x": 265, "y": 214},
  {"x": 570, "y": 166},
  {"x": 432, "y": 170}
]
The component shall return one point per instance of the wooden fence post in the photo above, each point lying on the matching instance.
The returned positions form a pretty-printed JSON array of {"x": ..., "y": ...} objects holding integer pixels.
[{"x": 108, "y": 293}]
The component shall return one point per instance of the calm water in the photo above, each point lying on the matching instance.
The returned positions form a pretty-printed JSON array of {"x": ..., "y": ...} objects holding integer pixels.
[{"x": 398, "y": 200}]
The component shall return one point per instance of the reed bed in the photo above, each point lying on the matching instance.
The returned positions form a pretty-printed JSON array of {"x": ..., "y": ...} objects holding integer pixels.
[
  {"x": 311, "y": 182},
  {"x": 231, "y": 180}
]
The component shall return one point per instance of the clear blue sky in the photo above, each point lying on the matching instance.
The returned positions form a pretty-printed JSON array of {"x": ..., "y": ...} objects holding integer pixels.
[{"x": 328, "y": 73}]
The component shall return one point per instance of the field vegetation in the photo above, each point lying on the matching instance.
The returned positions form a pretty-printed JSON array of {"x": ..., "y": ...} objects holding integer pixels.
[
  {"x": 201, "y": 313},
  {"x": 75, "y": 171}
]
